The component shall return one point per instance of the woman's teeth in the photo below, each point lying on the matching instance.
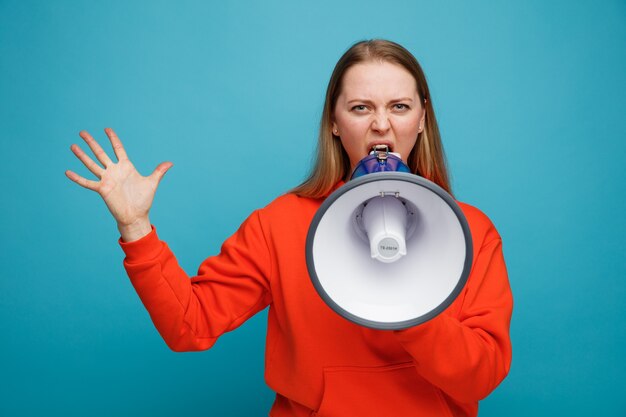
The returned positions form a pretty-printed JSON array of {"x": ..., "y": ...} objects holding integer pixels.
[{"x": 381, "y": 148}]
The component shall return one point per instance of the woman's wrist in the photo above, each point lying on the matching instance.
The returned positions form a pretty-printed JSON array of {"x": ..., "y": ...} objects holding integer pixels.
[{"x": 135, "y": 230}]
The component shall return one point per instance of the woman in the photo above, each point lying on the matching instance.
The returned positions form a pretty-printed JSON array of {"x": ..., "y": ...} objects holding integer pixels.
[{"x": 316, "y": 361}]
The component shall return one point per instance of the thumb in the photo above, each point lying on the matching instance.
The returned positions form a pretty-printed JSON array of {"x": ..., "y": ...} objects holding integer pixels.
[{"x": 160, "y": 170}]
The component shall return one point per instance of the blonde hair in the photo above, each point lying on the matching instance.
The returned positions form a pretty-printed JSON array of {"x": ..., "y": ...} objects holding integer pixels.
[{"x": 332, "y": 164}]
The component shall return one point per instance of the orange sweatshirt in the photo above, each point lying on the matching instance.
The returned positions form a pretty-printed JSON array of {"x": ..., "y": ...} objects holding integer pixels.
[{"x": 317, "y": 362}]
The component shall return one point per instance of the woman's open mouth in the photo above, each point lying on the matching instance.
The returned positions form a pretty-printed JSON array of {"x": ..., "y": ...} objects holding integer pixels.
[{"x": 381, "y": 148}]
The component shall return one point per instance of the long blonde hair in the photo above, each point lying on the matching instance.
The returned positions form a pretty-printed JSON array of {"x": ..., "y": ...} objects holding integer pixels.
[{"x": 332, "y": 164}]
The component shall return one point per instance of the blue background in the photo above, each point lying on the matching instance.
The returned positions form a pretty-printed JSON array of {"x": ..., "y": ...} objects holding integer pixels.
[{"x": 530, "y": 97}]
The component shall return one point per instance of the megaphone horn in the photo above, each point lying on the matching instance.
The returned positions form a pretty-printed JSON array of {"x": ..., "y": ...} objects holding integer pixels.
[{"x": 388, "y": 249}]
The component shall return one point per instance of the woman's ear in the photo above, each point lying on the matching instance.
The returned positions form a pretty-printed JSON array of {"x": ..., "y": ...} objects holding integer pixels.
[
  {"x": 335, "y": 130},
  {"x": 422, "y": 122}
]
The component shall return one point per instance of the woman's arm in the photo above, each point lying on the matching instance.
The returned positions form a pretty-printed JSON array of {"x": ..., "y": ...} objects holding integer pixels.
[
  {"x": 190, "y": 314},
  {"x": 468, "y": 354}
]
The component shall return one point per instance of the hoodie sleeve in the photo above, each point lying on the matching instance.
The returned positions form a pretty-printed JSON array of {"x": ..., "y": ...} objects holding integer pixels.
[
  {"x": 468, "y": 353},
  {"x": 190, "y": 314}
]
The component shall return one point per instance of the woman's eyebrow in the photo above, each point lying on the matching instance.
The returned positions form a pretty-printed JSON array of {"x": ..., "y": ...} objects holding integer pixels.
[{"x": 395, "y": 100}]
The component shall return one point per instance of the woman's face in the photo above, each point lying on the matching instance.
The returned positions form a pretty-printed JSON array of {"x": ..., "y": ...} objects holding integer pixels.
[{"x": 378, "y": 105}]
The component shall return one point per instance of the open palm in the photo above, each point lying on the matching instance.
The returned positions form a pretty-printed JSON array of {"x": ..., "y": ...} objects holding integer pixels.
[{"x": 127, "y": 193}]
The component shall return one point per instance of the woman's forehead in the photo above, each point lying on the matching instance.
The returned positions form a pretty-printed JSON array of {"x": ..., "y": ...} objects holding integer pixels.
[{"x": 375, "y": 78}]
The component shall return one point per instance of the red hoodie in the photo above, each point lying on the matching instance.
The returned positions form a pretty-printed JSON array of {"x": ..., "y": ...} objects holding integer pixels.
[{"x": 317, "y": 362}]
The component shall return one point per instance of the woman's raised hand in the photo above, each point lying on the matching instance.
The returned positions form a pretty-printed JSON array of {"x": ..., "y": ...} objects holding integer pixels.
[{"x": 127, "y": 193}]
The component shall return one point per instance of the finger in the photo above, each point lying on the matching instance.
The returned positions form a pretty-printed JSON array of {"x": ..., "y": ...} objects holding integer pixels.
[
  {"x": 118, "y": 148},
  {"x": 96, "y": 149},
  {"x": 87, "y": 161},
  {"x": 160, "y": 171},
  {"x": 83, "y": 182}
]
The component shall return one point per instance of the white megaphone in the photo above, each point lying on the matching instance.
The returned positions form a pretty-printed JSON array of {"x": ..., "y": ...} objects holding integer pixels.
[{"x": 388, "y": 249}]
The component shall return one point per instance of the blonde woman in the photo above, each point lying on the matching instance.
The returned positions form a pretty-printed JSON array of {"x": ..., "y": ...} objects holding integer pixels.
[{"x": 317, "y": 362}]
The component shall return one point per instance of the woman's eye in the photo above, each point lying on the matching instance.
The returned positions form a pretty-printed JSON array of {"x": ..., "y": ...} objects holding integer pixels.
[
  {"x": 400, "y": 106},
  {"x": 360, "y": 107}
]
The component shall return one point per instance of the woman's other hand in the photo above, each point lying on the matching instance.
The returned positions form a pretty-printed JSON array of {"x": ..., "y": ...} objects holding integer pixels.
[{"x": 127, "y": 193}]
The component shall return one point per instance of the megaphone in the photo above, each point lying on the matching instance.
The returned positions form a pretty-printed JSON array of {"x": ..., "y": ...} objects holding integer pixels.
[{"x": 389, "y": 249}]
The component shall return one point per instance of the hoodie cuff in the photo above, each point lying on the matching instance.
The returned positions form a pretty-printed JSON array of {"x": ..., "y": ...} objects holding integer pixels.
[{"x": 144, "y": 249}]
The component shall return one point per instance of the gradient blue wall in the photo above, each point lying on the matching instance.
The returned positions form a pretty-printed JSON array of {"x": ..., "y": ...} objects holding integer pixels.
[{"x": 530, "y": 98}]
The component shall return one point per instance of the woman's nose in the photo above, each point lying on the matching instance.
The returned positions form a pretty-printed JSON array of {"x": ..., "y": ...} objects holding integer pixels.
[{"x": 380, "y": 123}]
